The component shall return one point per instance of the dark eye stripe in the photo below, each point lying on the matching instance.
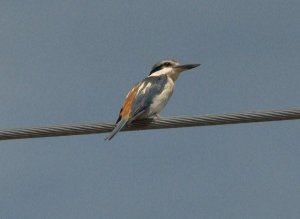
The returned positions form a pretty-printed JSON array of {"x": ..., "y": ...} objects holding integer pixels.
[
  {"x": 167, "y": 64},
  {"x": 157, "y": 68}
]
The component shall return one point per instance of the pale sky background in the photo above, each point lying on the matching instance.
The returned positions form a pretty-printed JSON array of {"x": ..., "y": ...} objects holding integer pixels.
[{"x": 72, "y": 62}]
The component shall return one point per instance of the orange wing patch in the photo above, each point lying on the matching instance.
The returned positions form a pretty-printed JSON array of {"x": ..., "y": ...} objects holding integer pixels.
[{"x": 126, "y": 109}]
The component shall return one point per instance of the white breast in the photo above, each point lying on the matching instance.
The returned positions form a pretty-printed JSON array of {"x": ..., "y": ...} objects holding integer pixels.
[{"x": 160, "y": 101}]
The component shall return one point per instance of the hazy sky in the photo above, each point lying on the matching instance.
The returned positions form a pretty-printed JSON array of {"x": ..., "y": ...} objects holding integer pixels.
[{"x": 72, "y": 62}]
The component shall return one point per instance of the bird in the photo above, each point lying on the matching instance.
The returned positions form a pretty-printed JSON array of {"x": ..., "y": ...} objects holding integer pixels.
[{"x": 148, "y": 97}]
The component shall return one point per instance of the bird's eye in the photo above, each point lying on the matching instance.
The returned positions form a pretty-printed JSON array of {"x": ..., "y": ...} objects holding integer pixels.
[{"x": 167, "y": 64}]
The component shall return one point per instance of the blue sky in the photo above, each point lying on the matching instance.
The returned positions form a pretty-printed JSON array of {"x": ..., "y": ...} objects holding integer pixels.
[{"x": 72, "y": 62}]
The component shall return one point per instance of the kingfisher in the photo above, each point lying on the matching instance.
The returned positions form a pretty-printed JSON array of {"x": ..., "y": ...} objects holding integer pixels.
[{"x": 149, "y": 96}]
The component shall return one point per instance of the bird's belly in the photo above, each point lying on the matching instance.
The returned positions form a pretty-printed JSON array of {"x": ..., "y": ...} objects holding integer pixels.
[{"x": 160, "y": 101}]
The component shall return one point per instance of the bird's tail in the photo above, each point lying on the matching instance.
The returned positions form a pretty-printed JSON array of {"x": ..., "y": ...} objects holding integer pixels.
[{"x": 118, "y": 127}]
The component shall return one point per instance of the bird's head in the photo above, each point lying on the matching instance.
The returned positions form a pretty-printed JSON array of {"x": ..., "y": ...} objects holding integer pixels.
[{"x": 171, "y": 68}]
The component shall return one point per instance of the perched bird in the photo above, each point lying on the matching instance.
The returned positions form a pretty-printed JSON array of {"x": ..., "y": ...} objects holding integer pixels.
[{"x": 148, "y": 97}]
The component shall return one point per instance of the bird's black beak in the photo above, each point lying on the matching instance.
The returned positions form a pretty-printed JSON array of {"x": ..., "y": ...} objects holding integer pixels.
[{"x": 186, "y": 66}]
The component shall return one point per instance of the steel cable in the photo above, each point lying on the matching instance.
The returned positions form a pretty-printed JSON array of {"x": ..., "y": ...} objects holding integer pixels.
[{"x": 158, "y": 123}]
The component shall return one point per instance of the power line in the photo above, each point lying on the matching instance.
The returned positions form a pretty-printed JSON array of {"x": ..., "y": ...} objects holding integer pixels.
[{"x": 159, "y": 123}]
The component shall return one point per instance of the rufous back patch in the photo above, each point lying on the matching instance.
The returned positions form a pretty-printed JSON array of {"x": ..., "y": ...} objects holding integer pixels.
[{"x": 128, "y": 103}]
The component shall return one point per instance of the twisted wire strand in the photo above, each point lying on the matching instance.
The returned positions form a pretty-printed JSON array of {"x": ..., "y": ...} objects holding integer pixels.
[{"x": 158, "y": 123}]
